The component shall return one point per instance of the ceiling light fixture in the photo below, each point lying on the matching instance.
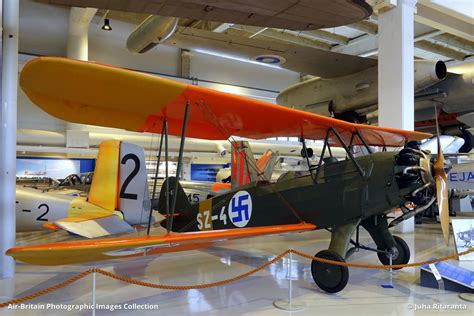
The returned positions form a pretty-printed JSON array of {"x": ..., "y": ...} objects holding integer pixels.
[{"x": 106, "y": 26}]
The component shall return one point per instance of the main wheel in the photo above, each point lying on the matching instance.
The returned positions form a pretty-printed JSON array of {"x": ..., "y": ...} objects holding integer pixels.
[
  {"x": 401, "y": 256},
  {"x": 329, "y": 277}
]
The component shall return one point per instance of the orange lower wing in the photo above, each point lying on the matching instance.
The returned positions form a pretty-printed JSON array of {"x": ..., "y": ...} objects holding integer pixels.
[{"x": 114, "y": 248}]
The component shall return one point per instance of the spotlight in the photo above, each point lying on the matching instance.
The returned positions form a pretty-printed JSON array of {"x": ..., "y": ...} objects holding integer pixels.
[{"x": 106, "y": 26}]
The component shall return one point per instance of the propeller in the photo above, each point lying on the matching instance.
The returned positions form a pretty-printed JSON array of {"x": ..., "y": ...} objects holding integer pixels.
[{"x": 441, "y": 187}]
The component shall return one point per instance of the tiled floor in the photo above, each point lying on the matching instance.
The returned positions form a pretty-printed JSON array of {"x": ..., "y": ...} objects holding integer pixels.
[{"x": 251, "y": 296}]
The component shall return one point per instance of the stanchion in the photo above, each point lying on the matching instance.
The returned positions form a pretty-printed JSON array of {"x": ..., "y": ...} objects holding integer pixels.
[
  {"x": 289, "y": 305},
  {"x": 93, "y": 292},
  {"x": 390, "y": 271},
  {"x": 468, "y": 297}
]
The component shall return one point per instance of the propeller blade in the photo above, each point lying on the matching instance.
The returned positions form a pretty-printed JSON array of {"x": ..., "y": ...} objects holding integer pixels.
[
  {"x": 441, "y": 188},
  {"x": 443, "y": 206}
]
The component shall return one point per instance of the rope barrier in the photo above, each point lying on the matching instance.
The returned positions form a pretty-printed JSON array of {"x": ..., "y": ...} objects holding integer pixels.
[
  {"x": 226, "y": 281},
  {"x": 46, "y": 291},
  {"x": 379, "y": 266}
]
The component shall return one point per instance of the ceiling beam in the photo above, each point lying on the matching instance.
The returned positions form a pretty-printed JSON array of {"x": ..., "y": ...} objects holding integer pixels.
[
  {"x": 438, "y": 18},
  {"x": 222, "y": 27},
  {"x": 325, "y": 35},
  {"x": 365, "y": 26},
  {"x": 282, "y": 36},
  {"x": 458, "y": 42},
  {"x": 365, "y": 47},
  {"x": 359, "y": 46},
  {"x": 440, "y": 50}
]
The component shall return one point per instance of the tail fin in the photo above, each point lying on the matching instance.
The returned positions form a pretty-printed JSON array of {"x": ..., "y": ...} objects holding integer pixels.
[
  {"x": 244, "y": 169},
  {"x": 183, "y": 207},
  {"x": 266, "y": 163},
  {"x": 241, "y": 157},
  {"x": 134, "y": 193},
  {"x": 104, "y": 186},
  {"x": 120, "y": 181}
]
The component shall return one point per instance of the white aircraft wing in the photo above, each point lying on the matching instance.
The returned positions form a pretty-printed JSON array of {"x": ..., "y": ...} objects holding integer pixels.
[{"x": 308, "y": 60}]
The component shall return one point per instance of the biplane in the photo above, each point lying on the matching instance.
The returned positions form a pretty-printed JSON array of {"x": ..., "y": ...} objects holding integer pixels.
[{"x": 336, "y": 195}]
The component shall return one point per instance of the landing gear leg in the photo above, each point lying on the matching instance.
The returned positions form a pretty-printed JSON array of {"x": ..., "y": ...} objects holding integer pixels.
[
  {"x": 377, "y": 227},
  {"x": 333, "y": 278}
]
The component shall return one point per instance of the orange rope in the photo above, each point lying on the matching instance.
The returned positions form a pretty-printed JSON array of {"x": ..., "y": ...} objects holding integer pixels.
[
  {"x": 379, "y": 266},
  {"x": 46, "y": 291},
  {"x": 226, "y": 281}
]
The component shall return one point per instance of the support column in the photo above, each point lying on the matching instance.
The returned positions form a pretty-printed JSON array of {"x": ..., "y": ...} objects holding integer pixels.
[
  {"x": 8, "y": 112},
  {"x": 396, "y": 72},
  {"x": 78, "y": 48},
  {"x": 78, "y": 32}
]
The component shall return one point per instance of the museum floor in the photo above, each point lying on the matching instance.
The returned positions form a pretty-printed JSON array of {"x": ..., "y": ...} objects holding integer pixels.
[{"x": 253, "y": 295}]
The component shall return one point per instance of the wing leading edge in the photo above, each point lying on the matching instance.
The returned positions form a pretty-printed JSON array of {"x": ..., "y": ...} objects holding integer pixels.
[
  {"x": 112, "y": 248},
  {"x": 113, "y": 97}
]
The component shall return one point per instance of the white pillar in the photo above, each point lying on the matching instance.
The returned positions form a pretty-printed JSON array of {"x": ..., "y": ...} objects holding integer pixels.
[
  {"x": 8, "y": 111},
  {"x": 78, "y": 32},
  {"x": 396, "y": 72},
  {"x": 78, "y": 48}
]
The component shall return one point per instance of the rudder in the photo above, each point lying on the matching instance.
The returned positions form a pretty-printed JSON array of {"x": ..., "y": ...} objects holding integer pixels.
[{"x": 183, "y": 207}]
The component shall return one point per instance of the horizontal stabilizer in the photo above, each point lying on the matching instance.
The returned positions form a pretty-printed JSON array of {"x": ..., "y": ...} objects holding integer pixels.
[{"x": 93, "y": 228}]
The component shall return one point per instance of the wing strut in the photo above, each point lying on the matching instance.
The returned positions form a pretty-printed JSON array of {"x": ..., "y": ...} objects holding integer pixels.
[
  {"x": 346, "y": 147},
  {"x": 179, "y": 167},
  {"x": 163, "y": 131},
  {"x": 305, "y": 150},
  {"x": 351, "y": 143}
]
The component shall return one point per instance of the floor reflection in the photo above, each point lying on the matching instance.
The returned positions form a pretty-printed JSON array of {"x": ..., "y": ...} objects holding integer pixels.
[{"x": 252, "y": 295}]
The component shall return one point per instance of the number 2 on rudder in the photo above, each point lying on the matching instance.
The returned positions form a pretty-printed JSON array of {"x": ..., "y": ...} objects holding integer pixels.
[{"x": 136, "y": 169}]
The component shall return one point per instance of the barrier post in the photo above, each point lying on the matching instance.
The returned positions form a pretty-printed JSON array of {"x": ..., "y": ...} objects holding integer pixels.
[
  {"x": 290, "y": 281},
  {"x": 469, "y": 297},
  {"x": 93, "y": 291},
  {"x": 289, "y": 305},
  {"x": 390, "y": 272}
]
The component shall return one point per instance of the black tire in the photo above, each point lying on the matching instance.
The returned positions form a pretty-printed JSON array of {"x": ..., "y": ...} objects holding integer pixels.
[
  {"x": 403, "y": 253},
  {"x": 329, "y": 277}
]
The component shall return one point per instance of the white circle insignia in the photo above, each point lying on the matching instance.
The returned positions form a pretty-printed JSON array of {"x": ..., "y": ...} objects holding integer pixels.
[{"x": 240, "y": 208}]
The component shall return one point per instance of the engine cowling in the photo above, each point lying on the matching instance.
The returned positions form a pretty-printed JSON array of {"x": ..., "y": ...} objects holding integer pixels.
[
  {"x": 427, "y": 73},
  {"x": 414, "y": 168},
  {"x": 151, "y": 32}
]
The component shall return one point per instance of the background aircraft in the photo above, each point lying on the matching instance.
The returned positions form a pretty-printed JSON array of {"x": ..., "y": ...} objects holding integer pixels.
[
  {"x": 345, "y": 86},
  {"x": 82, "y": 215}
]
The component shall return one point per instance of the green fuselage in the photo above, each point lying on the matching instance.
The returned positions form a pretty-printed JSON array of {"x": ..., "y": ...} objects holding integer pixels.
[{"x": 340, "y": 195}]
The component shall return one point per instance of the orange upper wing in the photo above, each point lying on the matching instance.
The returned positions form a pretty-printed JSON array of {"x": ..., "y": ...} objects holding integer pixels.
[{"x": 90, "y": 93}]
